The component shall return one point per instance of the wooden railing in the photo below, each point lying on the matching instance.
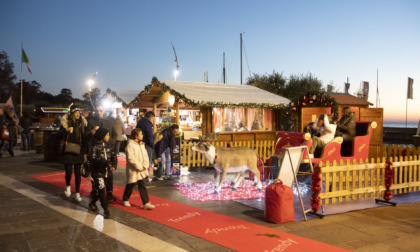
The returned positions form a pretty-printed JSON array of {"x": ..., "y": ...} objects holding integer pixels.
[
  {"x": 395, "y": 151},
  {"x": 357, "y": 180},
  {"x": 191, "y": 158}
]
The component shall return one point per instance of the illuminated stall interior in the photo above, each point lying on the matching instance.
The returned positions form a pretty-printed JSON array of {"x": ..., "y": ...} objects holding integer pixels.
[{"x": 238, "y": 112}]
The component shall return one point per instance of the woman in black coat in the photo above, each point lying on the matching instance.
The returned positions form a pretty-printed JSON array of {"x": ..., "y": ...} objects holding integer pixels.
[{"x": 72, "y": 130}]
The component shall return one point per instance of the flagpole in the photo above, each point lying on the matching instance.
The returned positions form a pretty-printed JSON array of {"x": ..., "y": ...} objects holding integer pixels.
[
  {"x": 406, "y": 111},
  {"x": 21, "y": 80}
]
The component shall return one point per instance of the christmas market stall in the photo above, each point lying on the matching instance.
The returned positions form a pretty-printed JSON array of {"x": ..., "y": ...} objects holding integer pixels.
[{"x": 242, "y": 114}]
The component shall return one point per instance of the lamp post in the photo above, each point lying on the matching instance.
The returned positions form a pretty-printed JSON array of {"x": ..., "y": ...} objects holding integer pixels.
[{"x": 90, "y": 83}]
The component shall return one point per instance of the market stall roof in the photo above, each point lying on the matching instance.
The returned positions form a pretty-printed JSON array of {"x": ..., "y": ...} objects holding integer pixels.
[
  {"x": 54, "y": 110},
  {"x": 206, "y": 94},
  {"x": 127, "y": 95},
  {"x": 348, "y": 99}
]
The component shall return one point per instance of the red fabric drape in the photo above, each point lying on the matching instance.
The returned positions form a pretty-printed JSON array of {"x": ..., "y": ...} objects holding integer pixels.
[
  {"x": 217, "y": 119},
  {"x": 250, "y": 117},
  {"x": 191, "y": 115},
  {"x": 268, "y": 119},
  {"x": 239, "y": 113}
]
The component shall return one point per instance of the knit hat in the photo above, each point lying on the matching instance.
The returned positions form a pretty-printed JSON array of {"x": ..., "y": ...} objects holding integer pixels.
[
  {"x": 73, "y": 109},
  {"x": 100, "y": 133}
]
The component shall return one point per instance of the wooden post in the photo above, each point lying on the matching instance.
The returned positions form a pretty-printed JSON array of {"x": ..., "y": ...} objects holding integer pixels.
[
  {"x": 177, "y": 111},
  {"x": 154, "y": 122}
]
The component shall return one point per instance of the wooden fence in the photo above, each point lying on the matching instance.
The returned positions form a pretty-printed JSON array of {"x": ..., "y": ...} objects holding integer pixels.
[
  {"x": 193, "y": 159},
  {"x": 350, "y": 181},
  {"x": 395, "y": 151}
]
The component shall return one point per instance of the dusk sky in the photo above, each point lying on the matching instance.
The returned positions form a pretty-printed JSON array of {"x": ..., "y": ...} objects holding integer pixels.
[{"x": 129, "y": 42}]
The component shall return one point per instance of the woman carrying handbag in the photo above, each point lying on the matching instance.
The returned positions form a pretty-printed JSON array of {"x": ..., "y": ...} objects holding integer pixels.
[{"x": 72, "y": 130}]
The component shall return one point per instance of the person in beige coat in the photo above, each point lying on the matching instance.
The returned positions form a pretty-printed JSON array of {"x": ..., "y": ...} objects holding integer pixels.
[{"x": 136, "y": 170}]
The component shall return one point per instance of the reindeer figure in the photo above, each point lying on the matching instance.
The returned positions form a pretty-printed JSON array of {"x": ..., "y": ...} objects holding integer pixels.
[{"x": 229, "y": 160}]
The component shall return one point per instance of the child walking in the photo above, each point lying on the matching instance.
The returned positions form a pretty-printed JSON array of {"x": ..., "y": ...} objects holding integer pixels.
[
  {"x": 137, "y": 169},
  {"x": 103, "y": 161}
]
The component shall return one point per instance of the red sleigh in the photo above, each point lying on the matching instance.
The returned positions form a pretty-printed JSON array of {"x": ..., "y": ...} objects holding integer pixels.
[{"x": 337, "y": 149}]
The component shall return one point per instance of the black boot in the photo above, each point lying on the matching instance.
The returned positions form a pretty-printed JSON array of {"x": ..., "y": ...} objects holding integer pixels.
[
  {"x": 111, "y": 198},
  {"x": 92, "y": 206},
  {"x": 107, "y": 215}
]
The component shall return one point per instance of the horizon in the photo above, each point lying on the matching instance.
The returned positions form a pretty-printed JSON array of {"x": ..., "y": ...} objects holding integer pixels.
[{"x": 129, "y": 43}]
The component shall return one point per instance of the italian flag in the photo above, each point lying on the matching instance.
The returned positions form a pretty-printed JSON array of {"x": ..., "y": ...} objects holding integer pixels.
[{"x": 26, "y": 60}]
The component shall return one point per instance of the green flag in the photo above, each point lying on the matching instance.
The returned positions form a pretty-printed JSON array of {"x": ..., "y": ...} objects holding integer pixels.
[{"x": 26, "y": 60}]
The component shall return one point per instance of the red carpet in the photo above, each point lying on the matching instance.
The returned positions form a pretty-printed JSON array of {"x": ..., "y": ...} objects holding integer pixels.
[
  {"x": 203, "y": 191},
  {"x": 224, "y": 230}
]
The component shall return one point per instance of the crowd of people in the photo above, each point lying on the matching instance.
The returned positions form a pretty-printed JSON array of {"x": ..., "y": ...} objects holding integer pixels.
[{"x": 93, "y": 140}]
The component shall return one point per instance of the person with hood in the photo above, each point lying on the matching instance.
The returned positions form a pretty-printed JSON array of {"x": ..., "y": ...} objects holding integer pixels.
[
  {"x": 346, "y": 127},
  {"x": 72, "y": 130},
  {"x": 103, "y": 161},
  {"x": 137, "y": 169},
  {"x": 120, "y": 131},
  {"x": 101, "y": 121},
  {"x": 26, "y": 122},
  {"x": 326, "y": 131}
]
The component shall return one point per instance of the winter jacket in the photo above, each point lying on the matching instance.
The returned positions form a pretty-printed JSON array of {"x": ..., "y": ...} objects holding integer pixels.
[
  {"x": 168, "y": 141},
  {"x": 327, "y": 131},
  {"x": 147, "y": 127},
  {"x": 119, "y": 129},
  {"x": 101, "y": 157},
  {"x": 347, "y": 126},
  {"x": 137, "y": 161},
  {"x": 105, "y": 122},
  {"x": 26, "y": 122},
  {"x": 11, "y": 127},
  {"x": 77, "y": 136}
]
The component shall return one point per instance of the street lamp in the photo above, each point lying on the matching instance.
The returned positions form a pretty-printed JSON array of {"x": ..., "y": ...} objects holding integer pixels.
[{"x": 90, "y": 83}]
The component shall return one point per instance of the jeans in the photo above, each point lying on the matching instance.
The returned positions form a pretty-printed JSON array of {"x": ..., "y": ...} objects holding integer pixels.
[
  {"x": 98, "y": 191},
  {"x": 26, "y": 137},
  {"x": 150, "y": 154},
  {"x": 166, "y": 161},
  {"x": 316, "y": 143},
  {"x": 117, "y": 147},
  {"x": 142, "y": 189},
  {"x": 77, "y": 175}
]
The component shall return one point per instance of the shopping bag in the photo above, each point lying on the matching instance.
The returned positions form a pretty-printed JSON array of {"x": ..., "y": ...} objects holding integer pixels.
[
  {"x": 279, "y": 203},
  {"x": 5, "y": 134}
]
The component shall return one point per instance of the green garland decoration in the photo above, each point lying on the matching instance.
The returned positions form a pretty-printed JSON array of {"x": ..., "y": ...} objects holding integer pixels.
[
  {"x": 194, "y": 103},
  {"x": 312, "y": 99}
]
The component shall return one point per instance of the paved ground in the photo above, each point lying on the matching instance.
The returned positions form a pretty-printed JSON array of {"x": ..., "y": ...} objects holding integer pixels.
[{"x": 34, "y": 216}]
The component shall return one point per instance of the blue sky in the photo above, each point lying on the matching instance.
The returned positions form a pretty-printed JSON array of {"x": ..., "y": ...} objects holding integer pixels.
[{"x": 129, "y": 42}]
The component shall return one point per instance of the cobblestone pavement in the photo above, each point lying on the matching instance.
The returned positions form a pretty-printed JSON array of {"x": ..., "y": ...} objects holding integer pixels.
[{"x": 35, "y": 216}]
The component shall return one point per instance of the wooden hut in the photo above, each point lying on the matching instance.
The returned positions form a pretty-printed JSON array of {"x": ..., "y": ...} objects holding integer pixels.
[{"x": 238, "y": 112}]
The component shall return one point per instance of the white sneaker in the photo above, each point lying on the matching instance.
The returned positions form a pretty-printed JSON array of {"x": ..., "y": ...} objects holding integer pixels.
[
  {"x": 126, "y": 204},
  {"x": 159, "y": 178},
  {"x": 148, "y": 206},
  {"x": 77, "y": 197},
  {"x": 67, "y": 192}
]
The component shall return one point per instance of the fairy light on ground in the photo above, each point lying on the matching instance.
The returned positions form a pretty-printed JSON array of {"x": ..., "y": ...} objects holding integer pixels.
[{"x": 204, "y": 191}]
